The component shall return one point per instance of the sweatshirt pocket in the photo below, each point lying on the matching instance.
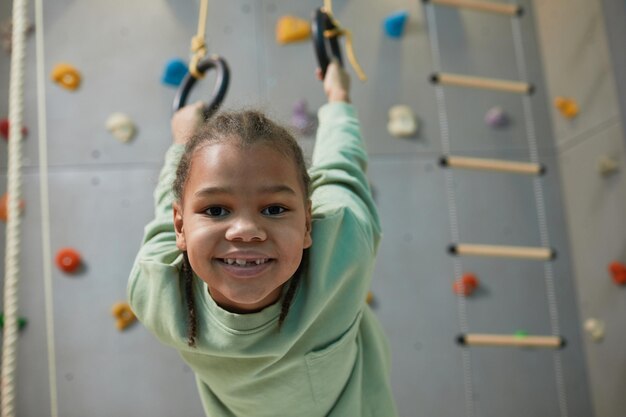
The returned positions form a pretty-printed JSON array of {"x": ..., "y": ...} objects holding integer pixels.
[{"x": 330, "y": 368}]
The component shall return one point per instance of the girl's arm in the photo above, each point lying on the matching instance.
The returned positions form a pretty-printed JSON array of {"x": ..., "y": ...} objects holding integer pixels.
[
  {"x": 339, "y": 181},
  {"x": 154, "y": 290}
]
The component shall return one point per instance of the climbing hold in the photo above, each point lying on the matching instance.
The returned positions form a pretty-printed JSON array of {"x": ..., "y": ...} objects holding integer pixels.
[
  {"x": 4, "y": 209},
  {"x": 292, "y": 29},
  {"x": 370, "y": 297},
  {"x": 121, "y": 126},
  {"x": 567, "y": 106},
  {"x": 394, "y": 24},
  {"x": 465, "y": 285},
  {"x": 618, "y": 272},
  {"x": 68, "y": 260},
  {"x": 175, "y": 71},
  {"x": 66, "y": 76},
  {"x": 6, "y": 34},
  {"x": 402, "y": 122},
  {"x": 595, "y": 329},
  {"x": 302, "y": 119},
  {"x": 21, "y": 322},
  {"x": 123, "y": 314},
  {"x": 496, "y": 117},
  {"x": 4, "y": 129},
  {"x": 520, "y": 334},
  {"x": 607, "y": 165}
]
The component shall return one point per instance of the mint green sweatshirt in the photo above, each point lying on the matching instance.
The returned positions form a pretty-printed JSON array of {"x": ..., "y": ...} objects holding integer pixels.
[{"x": 330, "y": 358}]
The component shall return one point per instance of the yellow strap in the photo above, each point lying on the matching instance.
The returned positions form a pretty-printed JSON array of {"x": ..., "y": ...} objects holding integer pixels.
[
  {"x": 328, "y": 9},
  {"x": 198, "y": 45}
]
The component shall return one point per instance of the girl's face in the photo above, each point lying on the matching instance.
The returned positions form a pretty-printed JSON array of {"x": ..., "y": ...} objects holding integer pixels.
[{"x": 244, "y": 222}]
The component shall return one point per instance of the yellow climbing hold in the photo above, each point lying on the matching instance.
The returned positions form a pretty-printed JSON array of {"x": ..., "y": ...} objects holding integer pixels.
[
  {"x": 567, "y": 106},
  {"x": 66, "y": 76},
  {"x": 292, "y": 29},
  {"x": 123, "y": 314}
]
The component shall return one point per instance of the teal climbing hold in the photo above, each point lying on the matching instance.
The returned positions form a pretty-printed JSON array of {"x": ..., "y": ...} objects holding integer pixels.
[
  {"x": 21, "y": 322},
  {"x": 394, "y": 24},
  {"x": 175, "y": 71}
]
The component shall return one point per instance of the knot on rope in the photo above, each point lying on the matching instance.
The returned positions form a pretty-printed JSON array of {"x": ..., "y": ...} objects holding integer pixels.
[{"x": 340, "y": 31}]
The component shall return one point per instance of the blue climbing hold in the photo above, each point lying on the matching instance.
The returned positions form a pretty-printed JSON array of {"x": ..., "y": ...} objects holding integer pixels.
[
  {"x": 394, "y": 24},
  {"x": 175, "y": 71}
]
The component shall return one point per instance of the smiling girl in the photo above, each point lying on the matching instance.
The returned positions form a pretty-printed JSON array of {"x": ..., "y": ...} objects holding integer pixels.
[{"x": 257, "y": 271}]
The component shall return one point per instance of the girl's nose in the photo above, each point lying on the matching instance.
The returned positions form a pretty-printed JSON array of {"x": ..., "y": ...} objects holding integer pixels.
[{"x": 245, "y": 229}]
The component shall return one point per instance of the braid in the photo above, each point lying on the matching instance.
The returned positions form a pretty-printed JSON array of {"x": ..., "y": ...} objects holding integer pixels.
[
  {"x": 291, "y": 291},
  {"x": 192, "y": 321}
]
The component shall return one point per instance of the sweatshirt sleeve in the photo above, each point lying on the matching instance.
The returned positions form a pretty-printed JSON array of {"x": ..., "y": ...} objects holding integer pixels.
[
  {"x": 155, "y": 291},
  {"x": 338, "y": 170}
]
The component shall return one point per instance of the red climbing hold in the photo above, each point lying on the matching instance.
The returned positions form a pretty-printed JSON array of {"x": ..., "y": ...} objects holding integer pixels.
[
  {"x": 68, "y": 260},
  {"x": 466, "y": 285},
  {"x": 618, "y": 271},
  {"x": 4, "y": 129}
]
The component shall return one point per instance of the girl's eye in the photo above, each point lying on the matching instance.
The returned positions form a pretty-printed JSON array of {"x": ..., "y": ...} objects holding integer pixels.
[
  {"x": 273, "y": 210},
  {"x": 216, "y": 211}
]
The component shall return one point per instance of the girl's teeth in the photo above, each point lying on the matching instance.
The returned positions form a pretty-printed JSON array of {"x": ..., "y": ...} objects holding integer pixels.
[{"x": 244, "y": 262}]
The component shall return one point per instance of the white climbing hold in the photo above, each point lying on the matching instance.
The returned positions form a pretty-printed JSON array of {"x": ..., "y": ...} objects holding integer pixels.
[
  {"x": 595, "y": 329},
  {"x": 402, "y": 122},
  {"x": 121, "y": 126},
  {"x": 607, "y": 165}
]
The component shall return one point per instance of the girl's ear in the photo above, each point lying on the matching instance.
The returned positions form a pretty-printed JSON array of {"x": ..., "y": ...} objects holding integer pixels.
[
  {"x": 178, "y": 226},
  {"x": 308, "y": 239}
]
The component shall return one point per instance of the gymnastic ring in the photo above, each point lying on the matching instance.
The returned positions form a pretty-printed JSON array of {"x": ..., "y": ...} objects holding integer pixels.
[
  {"x": 322, "y": 22},
  {"x": 219, "y": 91}
]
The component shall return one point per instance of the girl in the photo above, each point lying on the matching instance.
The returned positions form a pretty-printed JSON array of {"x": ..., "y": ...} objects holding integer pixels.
[{"x": 257, "y": 273}]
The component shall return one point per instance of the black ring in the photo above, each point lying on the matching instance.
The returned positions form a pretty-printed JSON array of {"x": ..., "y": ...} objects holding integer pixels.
[
  {"x": 219, "y": 91},
  {"x": 321, "y": 23}
]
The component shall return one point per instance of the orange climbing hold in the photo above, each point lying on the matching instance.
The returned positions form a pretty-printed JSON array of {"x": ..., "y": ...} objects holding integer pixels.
[
  {"x": 68, "y": 260},
  {"x": 66, "y": 76},
  {"x": 4, "y": 209},
  {"x": 465, "y": 285},
  {"x": 292, "y": 29},
  {"x": 567, "y": 106},
  {"x": 618, "y": 272},
  {"x": 123, "y": 314}
]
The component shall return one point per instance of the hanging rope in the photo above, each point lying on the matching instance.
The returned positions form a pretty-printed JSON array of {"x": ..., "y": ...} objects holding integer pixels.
[
  {"x": 198, "y": 44},
  {"x": 14, "y": 189},
  {"x": 45, "y": 207},
  {"x": 328, "y": 9}
]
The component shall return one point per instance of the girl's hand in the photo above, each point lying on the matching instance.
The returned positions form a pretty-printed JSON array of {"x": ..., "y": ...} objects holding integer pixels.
[
  {"x": 336, "y": 82},
  {"x": 186, "y": 121}
]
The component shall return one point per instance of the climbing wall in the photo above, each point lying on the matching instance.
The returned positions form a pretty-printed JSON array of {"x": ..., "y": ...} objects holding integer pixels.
[
  {"x": 595, "y": 198},
  {"x": 101, "y": 191}
]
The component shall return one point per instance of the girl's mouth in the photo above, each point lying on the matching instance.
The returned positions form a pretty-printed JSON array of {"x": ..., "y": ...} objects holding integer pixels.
[{"x": 244, "y": 262}]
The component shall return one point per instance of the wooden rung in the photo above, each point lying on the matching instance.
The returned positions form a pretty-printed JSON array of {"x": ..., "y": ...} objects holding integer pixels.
[
  {"x": 492, "y": 165},
  {"x": 476, "y": 339},
  {"x": 534, "y": 253},
  {"x": 482, "y": 6},
  {"x": 484, "y": 83}
]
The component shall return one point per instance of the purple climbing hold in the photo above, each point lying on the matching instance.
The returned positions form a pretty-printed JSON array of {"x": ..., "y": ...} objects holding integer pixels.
[
  {"x": 394, "y": 24},
  {"x": 302, "y": 120},
  {"x": 496, "y": 117},
  {"x": 175, "y": 71}
]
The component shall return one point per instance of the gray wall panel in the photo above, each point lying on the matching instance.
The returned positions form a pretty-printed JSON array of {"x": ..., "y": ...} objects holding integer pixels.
[{"x": 95, "y": 362}]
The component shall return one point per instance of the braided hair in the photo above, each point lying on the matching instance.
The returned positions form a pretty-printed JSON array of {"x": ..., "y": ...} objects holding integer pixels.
[{"x": 245, "y": 128}]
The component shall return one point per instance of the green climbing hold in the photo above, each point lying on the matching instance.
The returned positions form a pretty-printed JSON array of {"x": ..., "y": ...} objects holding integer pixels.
[
  {"x": 520, "y": 334},
  {"x": 21, "y": 322}
]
